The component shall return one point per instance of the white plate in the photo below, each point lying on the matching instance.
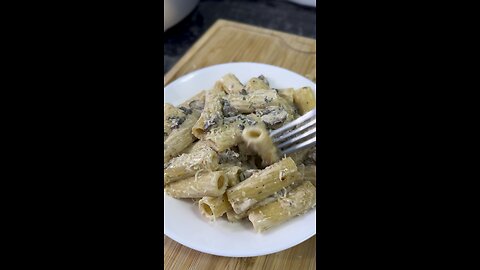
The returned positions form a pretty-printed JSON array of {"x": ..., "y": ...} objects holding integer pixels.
[{"x": 182, "y": 219}]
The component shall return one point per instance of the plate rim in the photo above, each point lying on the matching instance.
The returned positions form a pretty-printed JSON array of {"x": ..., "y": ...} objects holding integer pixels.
[{"x": 232, "y": 63}]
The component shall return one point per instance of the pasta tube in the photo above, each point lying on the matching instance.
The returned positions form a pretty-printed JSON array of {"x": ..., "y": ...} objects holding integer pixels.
[
  {"x": 287, "y": 94},
  {"x": 188, "y": 165},
  {"x": 258, "y": 139},
  {"x": 212, "y": 115},
  {"x": 231, "y": 84},
  {"x": 173, "y": 118},
  {"x": 224, "y": 137},
  {"x": 297, "y": 202},
  {"x": 211, "y": 184},
  {"x": 297, "y": 181},
  {"x": 230, "y": 134},
  {"x": 194, "y": 147},
  {"x": 214, "y": 207},
  {"x": 234, "y": 217},
  {"x": 259, "y": 83},
  {"x": 248, "y": 103},
  {"x": 261, "y": 185},
  {"x": 289, "y": 107},
  {"x": 304, "y": 99},
  {"x": 180, "y": 138},
  {"x": 232, "y": 173}
]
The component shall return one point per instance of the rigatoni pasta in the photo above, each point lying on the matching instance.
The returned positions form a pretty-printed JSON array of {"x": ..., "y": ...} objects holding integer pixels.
[
  {"x": 257, "y": 84},
  {"x": 188, "y": 165},
  {"x": 171, "y": 119},
  {"x": 230, "y": 134},
  {"x": 287, "y": 94},
  {"x": 212, "y": 113},
  {"x": 231, "y": 84},
  {"x": 218, "y": 152},
  {"x": 259, "y": 140},
  {"x": 297, "y": 202},
  {"x": 211, "y": 184},
  {"x": 180, "y": 138},
  {"x": 261, "y": 185},
  {"x": 214, "y": 207},
  {"x": 304, "y": 99},
  {"x": 250, "y": 102},
  {"x": 232, "y": 173}
]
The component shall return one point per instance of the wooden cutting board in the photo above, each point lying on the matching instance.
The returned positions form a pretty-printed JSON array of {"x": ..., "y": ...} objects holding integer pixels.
[{"x": 227, "y": 42}]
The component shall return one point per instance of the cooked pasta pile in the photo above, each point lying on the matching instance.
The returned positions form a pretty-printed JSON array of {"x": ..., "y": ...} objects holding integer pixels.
[{"x": 217, "y": 150}]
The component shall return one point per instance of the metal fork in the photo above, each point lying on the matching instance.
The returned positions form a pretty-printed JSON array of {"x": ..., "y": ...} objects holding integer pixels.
[{"x": 296, "y": 135}]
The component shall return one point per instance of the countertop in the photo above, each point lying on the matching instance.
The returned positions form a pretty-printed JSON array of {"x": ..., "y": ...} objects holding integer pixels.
[{"x": 272, "y": 14}]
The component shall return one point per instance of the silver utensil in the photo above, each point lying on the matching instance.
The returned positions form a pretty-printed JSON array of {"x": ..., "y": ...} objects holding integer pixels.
[{"x": 296, "y": 135}]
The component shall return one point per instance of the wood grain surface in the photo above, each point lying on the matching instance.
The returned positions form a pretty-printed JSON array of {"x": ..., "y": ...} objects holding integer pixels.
[{"x": 227, "y": 42}]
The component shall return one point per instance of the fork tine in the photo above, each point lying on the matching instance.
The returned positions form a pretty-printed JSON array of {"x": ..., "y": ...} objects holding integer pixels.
[
  {"x": 295, "y": 131},
  {"x": 298, "y": 138},
  {"x": 300, "y": 146},
  {"x": 292, "y": 124}
]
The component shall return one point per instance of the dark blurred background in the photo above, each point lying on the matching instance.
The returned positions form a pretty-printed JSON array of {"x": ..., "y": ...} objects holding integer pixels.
[{"x": 273, "y": 14}]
